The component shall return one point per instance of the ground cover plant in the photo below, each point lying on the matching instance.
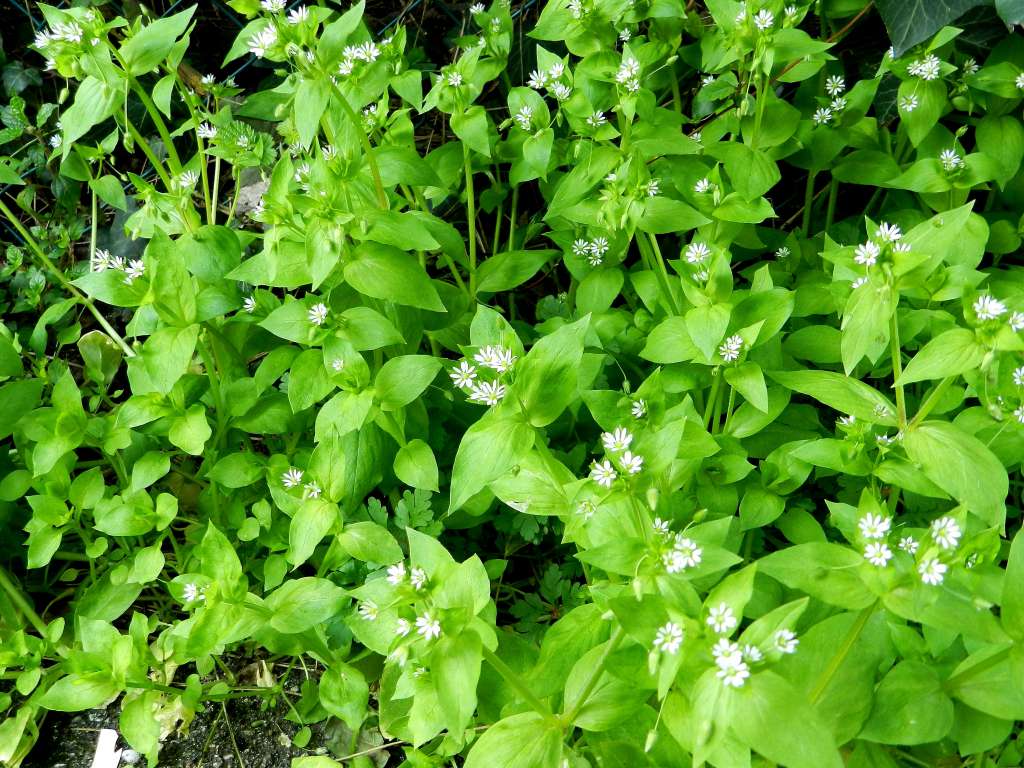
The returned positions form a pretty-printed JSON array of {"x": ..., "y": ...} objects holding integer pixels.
[{"x": 643, "y": 385}]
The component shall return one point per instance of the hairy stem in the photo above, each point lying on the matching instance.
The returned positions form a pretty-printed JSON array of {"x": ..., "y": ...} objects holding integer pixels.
[{"x": 512, "y": 678}]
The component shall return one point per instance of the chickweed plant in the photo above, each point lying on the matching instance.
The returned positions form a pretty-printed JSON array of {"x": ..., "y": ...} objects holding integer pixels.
[{"x": 661, "y": 406}]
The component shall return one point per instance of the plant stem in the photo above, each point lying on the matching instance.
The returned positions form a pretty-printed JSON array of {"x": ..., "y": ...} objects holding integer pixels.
[
  {"x": 161, "y": 127},
  {"x": 996, "y": 658},
  {"x": 833, "y": 194},
  {"x": 595, "y": 675},
  {"x": 931, "y": 401},
  {"x": 515, "y": 681},
  {"x": 512, "y": 219},
  {"x": 470, "y": 217},
  {"x": 712, "y": 399},
  {"x": 841, "y": 653},
  {"x": 149, "y": 153},
  {"x": 382, "y": 198},
  {"x": 664, "y": 273},
  {"x": 62, "y": 279},
  {"x": 21, "y": 603},
  {"x": 211, "y": 213},
  {"x": 897, "y": 369},
  {"x": 805, "y": 226}
]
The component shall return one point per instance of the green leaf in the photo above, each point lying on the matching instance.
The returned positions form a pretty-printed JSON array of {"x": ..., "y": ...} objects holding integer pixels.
[
  {"x": 416, "y": 466},
  {"x": 951, "y": 353},
  {"x": 962, "y": 466},
  {"x": 987, "y": 682},
  {"x": 663, "y": 214},
  {"x": 300, "y": 604},
  {"x": 237, "y": 470},
  {"x": 456, "y": 665},
  {"x": 191, "y": 430},
  {"x": 1012, "y": 606},
  {"x": 109, "y": 190},
  {"x": 910, "y": 707},
  {"x": 828, "y": 572},
  {"x": 910, "y": 22},
  {"x": 472, "y": 127},
  {"x": 139, "y": 723},
  {"x": 147, "y": 48},
  {"x": 385, "y": 272},
  {"x": 613, "y": 701},
  {"x": 505, "y": 271},
  {"x": 706, "y": 326},
  {"x": 840, "y": 392},
  {"x": 526, "y": 740},
  {"x": 310, "y": 102},
  {"x": 345, "y": 693},
  {"x": 402, "y": 379},
  {"x": 149, "y": 468},
  {"x": 95, "y": 101},
  {"x": 748, "y": 380},
  {"x": 167, "y": 354},
  {"x": 489, "y": 448},
  {"x": 314, "y": 520},
  {"x": 370, "y": 543},
  {"x": 76, "y": 692},
  {"x": 765, "y": 702},
  {"x": 546, "y": 379}
]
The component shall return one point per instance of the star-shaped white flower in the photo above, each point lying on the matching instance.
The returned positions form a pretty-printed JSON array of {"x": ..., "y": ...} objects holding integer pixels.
[
  {"x": 318, "y": 313},
  {"x": 945, "y": 532},
  {"x": 878, "y": 553},
  {"x": 785, "y": 641},
  {"x": 932, "y": 571},
  {"x": 396, "y": 574},
  {"x": 989, "y": 307},
  {"x": 874, "y": 526},
  {"x": 603, "y": 473},
  {"x": 464, "y": 375},
  {"x": 721, "y": 619},
  {"x": 427, "y": 626},
  {"x": 668, "y": 638},
  {"x": 291, "y": 478},
  {"x": 617, "y": 440}
]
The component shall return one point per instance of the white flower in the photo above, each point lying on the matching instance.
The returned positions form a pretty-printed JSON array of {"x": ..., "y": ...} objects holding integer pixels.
[
  {"x": 950, "y": 160},
  {"x": 688, "y": 550},
  {"x": 631, "y": 463},
  {"x": 576, "y": 9},
  {"x": 651, "y": 188},
  {"x": 1018, "y": 413},
  {"x": 561, "y": 91},
  {"x": 752, "y": 653},
  {"x": 669, "y": 638},
  {"x": 639, "y": 408},
  {"x": 135, "y": 269},
  {"x": 311, "y": 491},
  {"x": 878, "y": 553},
  {"x": 697, "y": 253},
  {"x": 702, "y": 186},
  {"x": 191, "y": 592},
  {"x": 454, "y": 79},
  {"x": 117, "y": 262},
  {"x": 783, "y": 252},
  {"x": 55, "y": 141},
  {"x": 298, "y": 15},
  {"x": 206, "y": 131},
  {"x": 537, "y": 79},
  {"x": 821, "y": 115},
  {"x": 701, "y": 275},
  {"x": 262, "y": 41},
  {"x": 927, "y": 68},
  {"x": 764, "y": 19},
  {"x": 476, "y": 9},
  {"x": 661, "y": 527},
  {"x": 790, "y": 11},
  {"x": 835, "y": 85},
  {"x": 101, "y": 260},
  {"x": 888, "y": 233},
  {"x": 838, "y": 104},
  {"x": 909, "y": 544},
  {"x": 427, "y": 626},
  {"x": 291, "y": 478},
  {"x": 901, "y": 248},
  {"x": 586, "y": 509},
  {"x": 68, "y": 31},
  {"x": 594, "y": 259},
  {"x": 598, "y": 246},
  {"x": 596, "y": 120},
  {"x": 580, "y": 247},
  {"x": 874, "y": 526},
  {"x": 318, "y": 313},
  {"x": 557, "y": 70},
  {"x": 496, "y": 357},
  {"x": 272, "y": 6},
  {"x": 697, "y": 136},
  {"x": 866, "y": 254},
  {"x": 367, "y": 51},
  {"x": 988, "y": 307},
  {"x": 368, "y": 610},
  {"x": 731, "y": 348},
  {"x": 629, "y": 69},
  {"x": 617, "y": 440},
  {"x": 487, "y": 392},
  {"x": 734, "y": 676},
  {"x": 418, "y": 578},
  {"x": 402, "y": 627},
  {"x": 337, "y": 364},
  {"x": 846, "y": 421},
  {"x": 208, "y": 80},
  {"x": 603, "y": 473},
  {"x": 464, "y": 375},
  {"x": 249, "y": 304},
  {"x": 1017, "y": 321},
  {"x": 932, "y": 571},
  {"x": 858, "y": 283},
  {"x": 396, "y": 574},
  {"x": 726, "y": 653},
  {"x": 1018, "y": 376},
  {"x": 908, "y": 103},
  {"x": 785, "y": 641},
  {"x": 188, "y": 179},
  {"x": 524, "y": 117},
  {"x": 721, "y": 619},
  {"x": 971, "y": 67},
  {"x": 707, "y": 80},
  {"x": 945, "y": 532}
]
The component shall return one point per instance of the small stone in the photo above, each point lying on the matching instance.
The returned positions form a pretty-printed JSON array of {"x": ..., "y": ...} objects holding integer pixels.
[{"x": 130, "y": 756}]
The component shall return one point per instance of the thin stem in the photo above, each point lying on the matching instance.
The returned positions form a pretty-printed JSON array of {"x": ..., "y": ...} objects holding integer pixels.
[
  {"x": 234, "y": 199},
  {"x": 513, "y": 679},
  {"x": 805, "y": 226},
  {"x": 211, "y": 212},
  {"x": 21, "y": 603},
  {"x": 659, "y": 259},
  {"x": 62, "y": 279},
  {"x": 841, "y": 653},
  {"x": 833, "y": 194},
  {"x": 931, "y": 401},
  {"x": 512, "y": 219},
  {"x": 470, "y": 216},
  {"x": 149, "y": 153},
  {"x": 897, "y": 370},
  {"x": 94, "y": 228},
  {"x": 382, "y": 198},
  {"x": 595, "y": 675},
  {"x": 161, "y": 127},
  {"x": 712, "y": 399}
]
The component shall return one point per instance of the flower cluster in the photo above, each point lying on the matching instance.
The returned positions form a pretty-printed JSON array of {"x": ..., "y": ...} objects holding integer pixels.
[
  {"x": 927, "y": 68},
  {"x": 835, "y": 87},
  {"x": 616, "y": 443},
  {"x": 489, "y": 392},
  {"x": 592, "y": 250},
  {"x": 554, "y": 80},
  {"x": 733, "y": 660},
  {"x": 628, "y": 74},
  {"x": 944, "y": 532},
  {"x": 886, "y": 241},
  {"x": 133, "y": 269}
]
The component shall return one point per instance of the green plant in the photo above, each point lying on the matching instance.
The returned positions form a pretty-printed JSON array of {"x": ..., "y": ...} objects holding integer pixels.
[{"x": 673, "y": 416}]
